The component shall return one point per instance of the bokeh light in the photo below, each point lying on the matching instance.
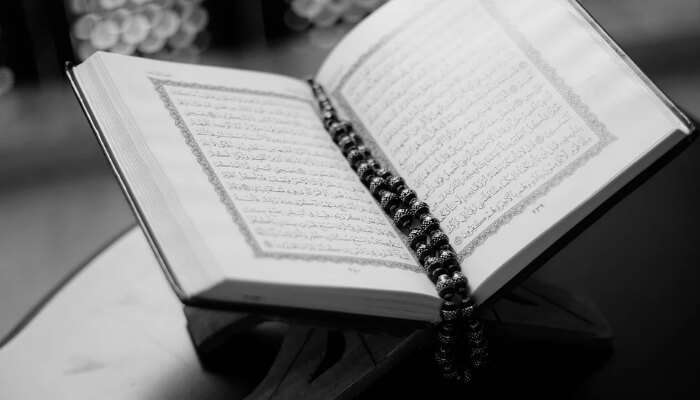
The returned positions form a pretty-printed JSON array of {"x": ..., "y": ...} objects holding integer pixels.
[{"x": 164, "y": 29}]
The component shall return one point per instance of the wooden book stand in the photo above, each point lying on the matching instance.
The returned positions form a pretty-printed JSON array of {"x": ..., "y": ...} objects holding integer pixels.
[{"x": 320, "y": 362}]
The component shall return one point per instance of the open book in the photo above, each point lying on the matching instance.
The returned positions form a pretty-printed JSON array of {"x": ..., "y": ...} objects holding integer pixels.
[{"x": 512, "y": 120}]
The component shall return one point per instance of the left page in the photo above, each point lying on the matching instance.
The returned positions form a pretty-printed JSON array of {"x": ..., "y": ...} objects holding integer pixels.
[{"x": 238, "y": 180}]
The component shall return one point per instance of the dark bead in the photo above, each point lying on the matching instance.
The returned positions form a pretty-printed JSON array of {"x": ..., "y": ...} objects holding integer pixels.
[
  {"x": 415, "y": 237},
  {"x": 422, "y": 251},
  {"x": 329, "y": 119},
  {"x": 478, "y": 357},
  {"x": 402, "y": 218},
  {"x": 396, "y": 183},
  {"x": 388, "y": 201},
  {"x": 354, "y": 156},
  {"x": 384, "y": 173},
  {"x": 363, "y": 149},
  {"x": 482, "y": 346},
  {"x": 431, "y": 247},
  {"x": 450, "y": 315},
  {"x": 418, "y": 208},
  {"x": 339, "y": 128},
  {"x": 447, "y": 247},
  {"x": 406, "y": 195},
  {"x": 364, "y": 170},
  {"x": 376, "y": 185},
  {"x": 430, "y": 262},
  {"x": 467, "y": 377},
  {"x": 433, "y": 268},
  {"x": 467, "y": 308},
  {"x": 337, "y": 138},
  {"x": 451, "y": 376},
  {"x": 463, "y": 290},
  {"x": 468, "y": 312},
  {"x": 445, "y": 287},
  {"x": 374, "y": 164},
  {"x": 449, "y": 260},
  {"x": 442, "y": 359},
  {"x": 459, "y": 279},
  {"x": 474, "y": 325},
  {"x": 446, "y": 254},
  {"x": 429, "y": 223},
  {"x": 345, "y": 143},
  {"x": 438, "y": 238},
  {"x": 450, "y": 305},
  {"x": 476, "y": 338},
  {"x": 358, "y": 140},
  {"x": 329, "y": 115},
  {"x": 448, "y": 328},
  {"x": 446, "y": 338},
  {"x": 445, "y": 351},
  {"x": 439, "y": 270},
  {"x": 449, "y": 372}
]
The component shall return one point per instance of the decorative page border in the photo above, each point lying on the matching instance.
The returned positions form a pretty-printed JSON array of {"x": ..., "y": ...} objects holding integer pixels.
[
  {"x": 234, "y": 212},
  {"x": 549, "y": 72}
]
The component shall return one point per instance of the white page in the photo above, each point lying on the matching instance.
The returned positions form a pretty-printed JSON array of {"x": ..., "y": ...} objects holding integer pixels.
[
  {"x": 511, "y": 119},
  {"x": 191, "y": 134}
]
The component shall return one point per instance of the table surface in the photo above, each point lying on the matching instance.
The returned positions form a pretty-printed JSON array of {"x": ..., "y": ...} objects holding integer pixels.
[
  {"x": 638, "y": 263},
  {"x": 127, "y": 342}
]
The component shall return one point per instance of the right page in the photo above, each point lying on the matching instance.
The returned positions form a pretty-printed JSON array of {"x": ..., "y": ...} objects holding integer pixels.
[{"x": 512, "y": 120}]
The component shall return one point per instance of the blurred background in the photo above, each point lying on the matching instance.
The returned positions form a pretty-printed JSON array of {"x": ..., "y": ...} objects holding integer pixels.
[{"x": 58, "y": 201}]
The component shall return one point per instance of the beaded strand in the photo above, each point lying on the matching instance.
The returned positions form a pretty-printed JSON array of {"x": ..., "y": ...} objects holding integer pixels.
[{"x": 461, "y": 345}]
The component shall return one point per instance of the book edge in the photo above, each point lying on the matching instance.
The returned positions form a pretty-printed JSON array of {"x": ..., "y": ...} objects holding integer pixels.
[
  {"x": 121, "y": 180},
  {"x": 634, "y": 69}
]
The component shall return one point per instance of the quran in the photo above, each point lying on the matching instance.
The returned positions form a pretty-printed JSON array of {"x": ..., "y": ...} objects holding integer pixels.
[{"x": 512, "y": 121}]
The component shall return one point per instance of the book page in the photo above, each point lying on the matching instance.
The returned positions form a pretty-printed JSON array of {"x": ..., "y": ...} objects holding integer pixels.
[
  {"x": 281, "y": 178},
  {"x": 477, "y": 104},
  {"x": 239, "y": 180}
]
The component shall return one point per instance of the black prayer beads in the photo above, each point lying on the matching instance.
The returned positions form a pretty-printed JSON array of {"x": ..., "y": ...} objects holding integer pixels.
[{"x": 461, "y": 344}]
